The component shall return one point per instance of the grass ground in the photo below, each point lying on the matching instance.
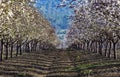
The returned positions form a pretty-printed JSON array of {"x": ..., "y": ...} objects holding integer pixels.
[
  {"x": 93, "y": 65},
  {"x": 60, "y": 64}
]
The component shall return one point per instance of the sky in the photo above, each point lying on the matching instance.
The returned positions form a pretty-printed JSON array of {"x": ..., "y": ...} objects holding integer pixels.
[{"x": 58, "y": 17}]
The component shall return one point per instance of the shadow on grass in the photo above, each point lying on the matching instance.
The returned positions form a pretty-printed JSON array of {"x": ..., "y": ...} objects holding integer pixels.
[{"x": 13, "y": 74}]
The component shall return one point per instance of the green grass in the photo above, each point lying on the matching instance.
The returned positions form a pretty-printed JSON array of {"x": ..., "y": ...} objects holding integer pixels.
[
  {"x": 86, "y": 69},
  {"x": 92, "y": 65},
  {"x": 23, "y": 75}
]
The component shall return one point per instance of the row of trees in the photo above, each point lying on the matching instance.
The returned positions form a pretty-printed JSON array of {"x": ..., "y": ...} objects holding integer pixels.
[
  {"x": 22, "y": 27},
  {"x": 96, "y": 27}
]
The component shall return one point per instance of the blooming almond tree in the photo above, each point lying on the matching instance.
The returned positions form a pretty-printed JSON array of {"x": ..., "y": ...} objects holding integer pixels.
[
  {"x": 99, "y": 26},
  {"x": 23, "y": 27}
]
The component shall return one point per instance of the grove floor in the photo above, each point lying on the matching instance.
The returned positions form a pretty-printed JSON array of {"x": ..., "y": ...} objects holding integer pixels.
[{"x": 60, "y": 64}]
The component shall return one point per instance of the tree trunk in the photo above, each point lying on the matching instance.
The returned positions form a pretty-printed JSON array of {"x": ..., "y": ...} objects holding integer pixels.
[
  {"x": 106, "y": 46},
  {"x": 96, "y": 45},
  {"x": 31, "y": 46},
  {"x": 27, "y": 48},
  {"x": 35, "y": 47},
  {"x": 31, "y": 43},
  {"x": 87, "y": 45},
  {"x": 109, "y": 53},
  {"x": 83, "y": 46},
  {"x": 100, "y": 48},
  {"x": 114, "y": 50},
  {"x": 1, "y": 50},
  {"x": 6, "y": 47},
  {"x": 17, "y": 49},
  {"x": 20, "y": 49},
  {"x": 11, "y": 51},
  {"x": 94, "y": 49},
  {"x": 91, "y": 47}
]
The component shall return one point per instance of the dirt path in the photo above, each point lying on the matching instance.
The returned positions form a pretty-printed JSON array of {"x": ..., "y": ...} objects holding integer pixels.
[
  {"x": 60, "y": 65},
  {"x": 37, "y": 64}
]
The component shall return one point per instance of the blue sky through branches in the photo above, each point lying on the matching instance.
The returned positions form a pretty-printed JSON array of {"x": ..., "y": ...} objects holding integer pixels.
[{"x": 58, "y": 17}]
